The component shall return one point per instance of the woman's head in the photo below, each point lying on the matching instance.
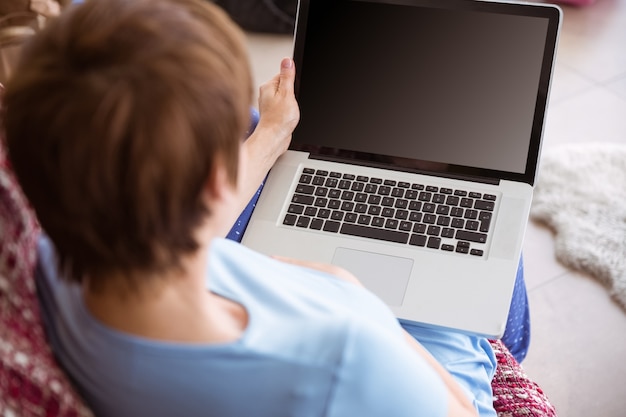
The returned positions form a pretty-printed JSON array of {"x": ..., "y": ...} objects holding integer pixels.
[{"x": 114, "y": 120}]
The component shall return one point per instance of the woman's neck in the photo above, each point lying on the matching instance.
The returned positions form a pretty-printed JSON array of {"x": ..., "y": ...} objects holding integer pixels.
[{"x": 174, "y": 307}]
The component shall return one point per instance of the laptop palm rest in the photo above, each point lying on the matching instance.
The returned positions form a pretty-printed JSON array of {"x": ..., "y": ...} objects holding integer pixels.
[{"x": 369, "y": 267}]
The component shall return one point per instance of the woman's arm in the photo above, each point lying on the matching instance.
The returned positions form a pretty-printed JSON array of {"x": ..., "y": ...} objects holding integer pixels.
[{"x": 279, "y": 115}]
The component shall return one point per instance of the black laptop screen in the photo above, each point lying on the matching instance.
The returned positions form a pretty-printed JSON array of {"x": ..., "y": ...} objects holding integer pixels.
[{"x": 458, "y": 86}]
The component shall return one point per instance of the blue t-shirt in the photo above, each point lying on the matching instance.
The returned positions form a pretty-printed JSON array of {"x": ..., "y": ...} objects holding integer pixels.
[{"x": 314, "y": 346}]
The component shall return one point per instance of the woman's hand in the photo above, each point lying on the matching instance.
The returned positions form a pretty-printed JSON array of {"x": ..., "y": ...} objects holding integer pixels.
[
  {"x": 279, "y": 112},
  {"x": 279, "y": 115}
]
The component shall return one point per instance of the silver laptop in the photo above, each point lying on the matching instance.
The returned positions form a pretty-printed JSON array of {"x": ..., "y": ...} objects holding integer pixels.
[{"x": 414, "y": 161}]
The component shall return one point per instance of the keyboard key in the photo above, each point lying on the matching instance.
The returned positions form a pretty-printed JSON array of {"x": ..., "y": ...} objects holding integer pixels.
[
  {"x": 357, "y": 186},
  {"x": 349, "y": 177},
  {"x": 460, "y": 193},
  {"x": 484, "y": 205},
  {"x": 387, "y": 202},
  {"x": 462, "y": 247},
  {"x": 429, "y": 218},
  {"x": 323, "y": 213},
  {"x": 458, "y": 223},
  {"x": 290, "y": 219},
  {"x": 295, "y": 209},
  {"x": 434, "y": 242},
  {"x": 335, "y": 174},
  {"x": 302, "y": 199},
  {"x": 360, "y": 208},
  {"x": 419, "y": 228},
  {"x": 443, "y": 210},
  {"x": 474, "y": 194},
  {"x": 305, "y": 189},
  {"x": 452, "y": 200},
  {"x": 331, "y": 182},
  {"x": 334, "y": 193},
  {"x": 337, "y": 215},
  {"x": 374, "y": 233},
  {"x": 406, "y": 226},
  {"x": 448, "y": 248},
  {"x": 391, "y": 224},
  {"x": 470, "y": 214},
  {"x": 443, "y": 221},
  {"x": 433, "y": 231},
  {"x": 303, "y": 221},
  {"x": 432, "y": 188},
  {"x": 316, "y": 224},
  {"x": 310, "y": 211},
  {"x": 484, "y": 225},
  {"x": 374, "y": 210},
  {"x": 471, "y": 236},
  {"x": 321, "y": 172},
  {"x": 401, "y": 204},
  {"x": 476, "y": 252},
  {"x": 445, "y": 190},
  {"x": 401, "y": 214},
  {"x": 347, "y": 195},
  {"x": 317, "y": 180},
  {"x": 360, "y": 197},
  {"x": 424, "y": 196},
  {"x": 321, "y": 191},
  {"x": 415, "y": 205},
  {"x": 334, "y": 204},
  {"x": 378, "y": 221},
  {"x": 331, "y": 226},
  {"x": 429, "y": 208},
  {"x": 376, "y": 180},
  {"x": 471, "y": 225},
  {"x": 347, "y": 206},
  {"x": 351, "y": 217},
  {"x": 320, "y": 202},
  {"x": 397, "y": 192},
  {"x": 489, "y": 197},
  {"x": 370, "y": 188},
  {"x": 467, "y": 202},
  {"x": 403, "y": 184},
  {"x": 384, "y": 190},
  {"x": 447, "y": 233},
  {"x": 390, "y": 183},
  {"x": 362, "y": 178},
  {"x": 418, "y": 240},
  {"x": 364, "y": 219},
  {"x": 305, "y": 179},
  {"x": 411, "y": 194},
  {"x": 345, "y": 184},
  {"x": 308, "y": 171},
  {"x": 417, "y": 187},
  {"x": 456, "y": 212},
  {"x": 388, "y": 212},
  {"x": 439, "y": 198},
  {"x": 415, "y": 216}
]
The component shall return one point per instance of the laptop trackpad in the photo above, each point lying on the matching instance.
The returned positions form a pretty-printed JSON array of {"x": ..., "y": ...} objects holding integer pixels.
[{"x": 384, "y": 275}]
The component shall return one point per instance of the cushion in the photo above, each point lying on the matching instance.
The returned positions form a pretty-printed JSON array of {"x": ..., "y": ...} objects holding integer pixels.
[{"x": 33, "y": 385}]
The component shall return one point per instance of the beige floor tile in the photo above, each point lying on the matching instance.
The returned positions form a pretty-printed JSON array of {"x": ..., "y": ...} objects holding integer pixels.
[
  {"x": 578, "y": 347},
  {"x": 618, "y": 86},
  {"x": 597, "y": 114},
  {"x": 540, "y": 265},
  {"x": 567, "y": 83}
]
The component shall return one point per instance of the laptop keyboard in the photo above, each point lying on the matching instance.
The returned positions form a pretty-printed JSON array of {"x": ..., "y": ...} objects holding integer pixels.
[{"x": 453, "y": 220}]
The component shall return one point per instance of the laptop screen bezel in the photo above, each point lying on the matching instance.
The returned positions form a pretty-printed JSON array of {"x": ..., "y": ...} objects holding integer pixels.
[{"x": 550, "y": 12}]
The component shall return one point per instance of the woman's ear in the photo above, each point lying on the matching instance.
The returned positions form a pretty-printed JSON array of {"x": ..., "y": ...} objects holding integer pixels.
[{"x": 218, "y": 186}]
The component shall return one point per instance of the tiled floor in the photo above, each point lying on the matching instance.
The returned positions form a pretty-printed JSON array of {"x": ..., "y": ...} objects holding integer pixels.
[{"x": 578, "y": 350}]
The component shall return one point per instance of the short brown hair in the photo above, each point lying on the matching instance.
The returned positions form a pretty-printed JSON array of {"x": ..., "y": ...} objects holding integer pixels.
[{"x": 114, "y": 119}]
